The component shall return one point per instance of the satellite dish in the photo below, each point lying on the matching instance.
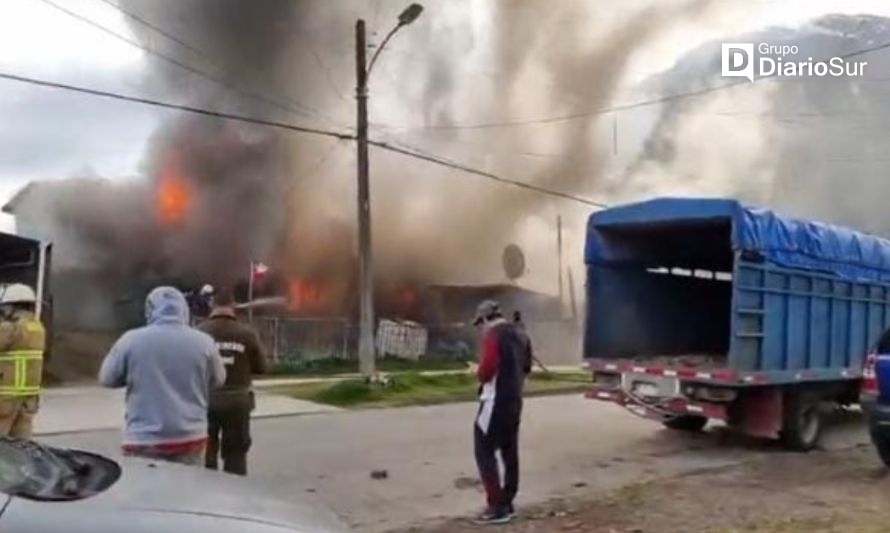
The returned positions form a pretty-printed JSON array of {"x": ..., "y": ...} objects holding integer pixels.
[{"x": 514, "y": 262}]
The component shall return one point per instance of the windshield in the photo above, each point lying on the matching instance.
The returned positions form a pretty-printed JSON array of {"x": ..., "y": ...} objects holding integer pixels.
[{"x": 34, "y": 471}]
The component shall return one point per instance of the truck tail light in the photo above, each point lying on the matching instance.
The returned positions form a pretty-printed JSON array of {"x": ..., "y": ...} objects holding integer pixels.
[{"x": 869, "y": 377}]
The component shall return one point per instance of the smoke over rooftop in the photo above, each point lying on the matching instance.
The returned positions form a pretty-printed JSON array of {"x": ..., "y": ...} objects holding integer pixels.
[
  {"x": 217, "y": 194},
  {"x": 813, "y": 147}
]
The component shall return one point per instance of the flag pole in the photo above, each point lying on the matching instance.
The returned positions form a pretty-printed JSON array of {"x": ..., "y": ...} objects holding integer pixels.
[{"x": 250, "y": 293}]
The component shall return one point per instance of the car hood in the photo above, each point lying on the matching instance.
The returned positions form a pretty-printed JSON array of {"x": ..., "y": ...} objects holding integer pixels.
[{"x": 151, "y": 496}]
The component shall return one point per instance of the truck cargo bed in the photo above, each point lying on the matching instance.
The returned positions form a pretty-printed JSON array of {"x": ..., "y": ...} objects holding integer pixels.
[{"x": 710, "y": 285}]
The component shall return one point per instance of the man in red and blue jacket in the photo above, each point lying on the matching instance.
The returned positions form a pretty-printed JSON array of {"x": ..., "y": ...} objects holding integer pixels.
[{"x": 504, "y": 361}]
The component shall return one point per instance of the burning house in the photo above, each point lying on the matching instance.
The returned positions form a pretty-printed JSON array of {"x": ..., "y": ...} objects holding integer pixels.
[{"x": 213, "y": 196}]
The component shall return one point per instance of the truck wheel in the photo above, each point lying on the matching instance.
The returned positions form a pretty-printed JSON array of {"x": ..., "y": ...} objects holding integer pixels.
[
  {"x": 686, "y": 423},
  {"x": 801, "y": 423}
]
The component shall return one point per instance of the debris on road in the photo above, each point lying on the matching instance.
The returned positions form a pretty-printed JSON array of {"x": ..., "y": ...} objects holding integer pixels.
[
  {"x": 465, "y": 482},
  {"x": 822, "y": 492}
]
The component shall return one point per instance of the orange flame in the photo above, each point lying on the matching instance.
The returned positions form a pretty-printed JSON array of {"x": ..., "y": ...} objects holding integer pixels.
[
  {"x": 173, "y": 195},
  {"x": 308, "y": 297}
]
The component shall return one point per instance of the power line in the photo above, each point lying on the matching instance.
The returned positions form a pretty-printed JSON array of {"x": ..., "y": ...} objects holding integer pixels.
[
  {"x": 293, "y": 107},
  {"x": 158, "y": 29},
  {"x": 494, "y": 177},
  {"x": 618, "y": 108},
  {"x": 319, "y": 163},
  {"x": 327, "y": 71},
  {"x": 178, "y": 107},
  {"x": 417, "y": 154}
]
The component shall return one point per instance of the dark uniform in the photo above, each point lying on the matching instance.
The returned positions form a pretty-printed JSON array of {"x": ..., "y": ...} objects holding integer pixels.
[{"x": 230, "y": 405}]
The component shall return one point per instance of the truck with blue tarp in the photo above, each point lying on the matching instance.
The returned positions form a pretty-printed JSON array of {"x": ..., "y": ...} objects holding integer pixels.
[{"x": 703, "y": 309}]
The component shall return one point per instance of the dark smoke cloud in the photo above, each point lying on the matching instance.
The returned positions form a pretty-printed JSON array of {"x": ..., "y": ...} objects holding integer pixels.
[
  {"x": 469, "y": 221},
  {"x": 259, "y": 193}
]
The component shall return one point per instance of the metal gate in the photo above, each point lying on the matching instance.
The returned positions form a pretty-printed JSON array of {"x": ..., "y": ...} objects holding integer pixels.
[{"x": 302, "y": 339}]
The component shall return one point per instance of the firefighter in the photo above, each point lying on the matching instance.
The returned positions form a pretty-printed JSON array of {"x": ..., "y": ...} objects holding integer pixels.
[
  {"x": 231, "y": 404},
  {"x": 505, "y": 360},
  {"x": 22, "y": 343}
]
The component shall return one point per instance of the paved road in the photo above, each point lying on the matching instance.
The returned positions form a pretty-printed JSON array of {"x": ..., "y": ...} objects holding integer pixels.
[
  {"x": 77, "y": 409},
  {"x": 570, "y": 445}
]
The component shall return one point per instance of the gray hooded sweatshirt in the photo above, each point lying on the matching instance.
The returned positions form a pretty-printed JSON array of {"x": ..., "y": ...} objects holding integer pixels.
[{"x": 167, "y": 368}]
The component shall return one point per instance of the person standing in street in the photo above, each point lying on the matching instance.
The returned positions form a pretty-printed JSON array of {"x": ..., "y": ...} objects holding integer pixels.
[
  {"x": 231, "y": 405},
  {"x": 503, "y": 364},
  {"x": 168, "y": 369},
  {"x": 22, "y": 345}
]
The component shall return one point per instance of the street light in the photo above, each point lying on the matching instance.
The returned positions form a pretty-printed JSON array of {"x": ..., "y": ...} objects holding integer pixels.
[{"x": 366, "y": 276}]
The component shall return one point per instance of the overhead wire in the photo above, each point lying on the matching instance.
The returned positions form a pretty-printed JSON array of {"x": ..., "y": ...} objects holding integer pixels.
[
  {"x": 179, "y": 107},
  {"x": 158, "y": 29},
  {"x": 290, "y": 106},
  {"x": 413, "y": 152},
  {"x": 406, "y": 151},
  {"x": 243, "y": 118},
  {"x": 618, "y": 108}
]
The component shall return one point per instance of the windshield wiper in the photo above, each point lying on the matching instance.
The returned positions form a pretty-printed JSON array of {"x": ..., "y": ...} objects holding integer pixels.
[
  {"x": 55, "y": 475},
  {"x": 70, "y": 482}
]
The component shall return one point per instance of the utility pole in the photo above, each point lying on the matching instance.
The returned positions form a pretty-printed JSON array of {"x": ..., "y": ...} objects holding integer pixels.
[
  {"x": 366, "y": 277},
  {"x": 363, "y": 69},
  {"x": 559, "y": 259},
  {"x": 572, "y": 296},
  {"x": 250, "y": 292}
]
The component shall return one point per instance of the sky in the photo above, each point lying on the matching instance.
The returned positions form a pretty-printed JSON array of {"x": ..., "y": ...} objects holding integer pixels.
[{"x": 51, "y": 134}]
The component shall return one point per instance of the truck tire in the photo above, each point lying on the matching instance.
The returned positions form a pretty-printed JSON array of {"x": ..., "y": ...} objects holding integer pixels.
[
  {"x": 686, "y": 423},
  {"x": 801, "y": 422}
]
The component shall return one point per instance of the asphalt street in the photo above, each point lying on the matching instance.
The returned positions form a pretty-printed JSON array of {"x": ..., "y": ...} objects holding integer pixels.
[{"x": 570, "y": 446}]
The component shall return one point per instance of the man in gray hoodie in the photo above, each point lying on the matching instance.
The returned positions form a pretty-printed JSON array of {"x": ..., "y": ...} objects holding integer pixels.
[{"x": 168, "y": 369}]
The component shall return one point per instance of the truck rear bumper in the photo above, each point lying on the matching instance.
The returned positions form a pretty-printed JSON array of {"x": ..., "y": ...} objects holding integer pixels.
[
  {"x": 727, "y": 376},
  {"x": 661, "y": 409}
]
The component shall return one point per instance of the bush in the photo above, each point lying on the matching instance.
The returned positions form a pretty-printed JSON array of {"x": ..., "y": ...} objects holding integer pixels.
[
  {"x": 348, "y": 393},
  {"x": 296, "y": 366},
  {"x": 322, "y": 366}
]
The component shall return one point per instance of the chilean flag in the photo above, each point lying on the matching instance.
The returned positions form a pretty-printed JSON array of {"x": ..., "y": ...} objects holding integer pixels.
[{"x": 260, "y": 270}]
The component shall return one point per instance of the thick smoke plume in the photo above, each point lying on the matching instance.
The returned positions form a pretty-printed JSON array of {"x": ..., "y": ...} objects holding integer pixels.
[
  {"x": 814, "y": 147},
  {"x": 218, "y": 194}
]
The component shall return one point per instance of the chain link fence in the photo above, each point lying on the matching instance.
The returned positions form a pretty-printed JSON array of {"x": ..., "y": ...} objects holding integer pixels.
[
  {"x": 305, "y": 339},
  {"x": 298, "y": 342}
]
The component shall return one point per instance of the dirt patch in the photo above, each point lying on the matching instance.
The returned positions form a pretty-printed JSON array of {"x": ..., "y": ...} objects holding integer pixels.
[{"x": 820, "y": 492}]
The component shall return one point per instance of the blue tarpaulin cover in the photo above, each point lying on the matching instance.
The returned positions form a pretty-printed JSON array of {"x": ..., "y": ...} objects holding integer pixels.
[{"x": 786, "y": 242}]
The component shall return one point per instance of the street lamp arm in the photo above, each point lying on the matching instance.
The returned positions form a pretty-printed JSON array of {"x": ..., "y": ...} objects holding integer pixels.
[{"x": 382, "y": 45}]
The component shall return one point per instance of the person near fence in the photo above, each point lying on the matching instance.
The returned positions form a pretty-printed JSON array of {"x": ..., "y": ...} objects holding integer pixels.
[
  {"x": 231, "y": 404},
  {"x": 168, "y": 369},
  {"x": 503, "y": 364}
]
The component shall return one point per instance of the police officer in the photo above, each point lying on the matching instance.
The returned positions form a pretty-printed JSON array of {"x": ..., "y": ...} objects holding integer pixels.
[
  {"x": 231, "y": 404},
  {"x": 22, "y": 343}
]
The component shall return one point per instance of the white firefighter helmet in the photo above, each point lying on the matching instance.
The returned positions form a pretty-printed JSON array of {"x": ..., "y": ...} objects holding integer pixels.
[
  {"x": 17, "y": 293},
  {"x": 207, "y": 290}
]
